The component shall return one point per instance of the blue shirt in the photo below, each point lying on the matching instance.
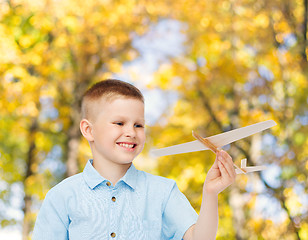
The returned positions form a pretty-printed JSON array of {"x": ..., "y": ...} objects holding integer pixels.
[{"x": 140, "y": 206}]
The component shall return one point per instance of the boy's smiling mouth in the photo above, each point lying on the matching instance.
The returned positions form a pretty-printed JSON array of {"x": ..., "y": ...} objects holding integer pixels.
[{"x": 125, "y": 145}]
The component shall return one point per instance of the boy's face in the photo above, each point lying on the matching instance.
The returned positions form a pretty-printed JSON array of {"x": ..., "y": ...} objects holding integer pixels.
[{"x": 118, "y": 130}]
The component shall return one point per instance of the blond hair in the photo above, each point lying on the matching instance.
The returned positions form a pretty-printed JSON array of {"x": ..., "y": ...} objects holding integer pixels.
[{"x": 108, "y": 89}]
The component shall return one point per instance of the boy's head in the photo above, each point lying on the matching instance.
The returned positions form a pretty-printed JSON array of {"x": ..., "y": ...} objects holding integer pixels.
[
  {"x": 113, "y": 122},
  {"x": 107, "y": 90}
]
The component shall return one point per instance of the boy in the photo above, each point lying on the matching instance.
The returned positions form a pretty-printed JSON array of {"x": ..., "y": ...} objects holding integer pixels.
[{"x": 110, "y": 199}]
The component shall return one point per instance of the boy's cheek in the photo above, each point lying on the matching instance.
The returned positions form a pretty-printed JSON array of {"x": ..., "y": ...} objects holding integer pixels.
[{"x": 141, "y": 146}]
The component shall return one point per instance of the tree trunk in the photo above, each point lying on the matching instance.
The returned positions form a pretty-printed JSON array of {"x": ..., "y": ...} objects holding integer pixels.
[
  {"x": 74, "y": 135},
  {"x": 27, "y": 222}
]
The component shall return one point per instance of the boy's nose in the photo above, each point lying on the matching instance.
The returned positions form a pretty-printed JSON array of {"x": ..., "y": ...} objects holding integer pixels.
[{"x": 130, "y": 132}]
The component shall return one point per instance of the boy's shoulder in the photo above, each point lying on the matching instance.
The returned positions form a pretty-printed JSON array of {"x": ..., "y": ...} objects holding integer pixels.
[
  {"x": 68, "y": 184},
  {"x": 157, "y": 188}
]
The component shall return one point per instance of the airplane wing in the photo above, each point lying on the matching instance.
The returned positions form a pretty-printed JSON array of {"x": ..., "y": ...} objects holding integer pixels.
[{"x": 218, "y": 140}]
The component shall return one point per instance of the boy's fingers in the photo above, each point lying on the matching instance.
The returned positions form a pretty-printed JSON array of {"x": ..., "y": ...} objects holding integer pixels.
[
  {"x": 226, "y": 159},
  {"x": 225, "y": 155},
  {"x": 223, "y": 170},
  {"x": 215, "y": 165}
]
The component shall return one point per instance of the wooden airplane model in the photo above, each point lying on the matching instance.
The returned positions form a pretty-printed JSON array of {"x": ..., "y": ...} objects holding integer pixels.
[{"x": 213, "y": 143}]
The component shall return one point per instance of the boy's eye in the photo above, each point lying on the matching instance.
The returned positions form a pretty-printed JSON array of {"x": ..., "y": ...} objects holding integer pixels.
[
  {"x": 119, "y": 123},
  {"x": 138, "y": 126}
]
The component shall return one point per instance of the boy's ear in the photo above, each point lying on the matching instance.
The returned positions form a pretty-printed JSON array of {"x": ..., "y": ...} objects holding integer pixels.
[{"x": 86, "y": 129}]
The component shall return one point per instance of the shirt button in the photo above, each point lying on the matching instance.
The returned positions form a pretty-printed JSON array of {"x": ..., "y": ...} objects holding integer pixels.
[
  {"x": 108, "y": 184},
  {"x": 113, "y": 199},
  {"x": 113, "y": 235}
]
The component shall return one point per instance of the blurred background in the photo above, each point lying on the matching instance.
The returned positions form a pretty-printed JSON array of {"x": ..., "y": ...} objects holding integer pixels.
[{"x": 209, "y": 66}]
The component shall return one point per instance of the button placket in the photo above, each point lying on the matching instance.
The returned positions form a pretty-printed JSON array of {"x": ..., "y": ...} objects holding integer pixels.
[{"x": 113, "y": 210}]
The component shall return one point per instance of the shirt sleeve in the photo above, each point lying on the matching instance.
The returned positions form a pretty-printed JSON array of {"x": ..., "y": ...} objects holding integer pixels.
[
  {"x": 178, "y": 215},
  {"x": 52, "y": 221}
]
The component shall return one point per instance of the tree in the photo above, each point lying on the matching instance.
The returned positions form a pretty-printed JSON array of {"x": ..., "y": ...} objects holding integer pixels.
[{"x": 245, "y": 62}]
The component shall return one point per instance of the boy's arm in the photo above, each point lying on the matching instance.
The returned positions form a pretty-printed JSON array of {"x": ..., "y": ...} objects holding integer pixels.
[
  {"x": 52, "y": 221},
  {"x": 220, "y": 176}
]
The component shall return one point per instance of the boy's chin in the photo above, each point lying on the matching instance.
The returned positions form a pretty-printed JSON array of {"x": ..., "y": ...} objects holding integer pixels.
[{"x": 125, "y": 161}]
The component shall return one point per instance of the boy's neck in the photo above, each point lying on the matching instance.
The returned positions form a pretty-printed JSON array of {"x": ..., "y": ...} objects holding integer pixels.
[{"x": 112, "y": 172}]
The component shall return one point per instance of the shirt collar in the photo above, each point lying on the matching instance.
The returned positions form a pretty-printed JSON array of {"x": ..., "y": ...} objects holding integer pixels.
[
  {"x": 130, "y": 178},
  {"x": 93, "y": 178}
]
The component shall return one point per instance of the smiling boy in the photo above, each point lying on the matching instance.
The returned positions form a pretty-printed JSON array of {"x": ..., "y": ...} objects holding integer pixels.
[{"x": 111, "y": 199}]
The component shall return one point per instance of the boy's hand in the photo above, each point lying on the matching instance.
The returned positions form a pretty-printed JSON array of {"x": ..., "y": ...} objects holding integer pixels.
[{"x": 221, "y": 175}]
